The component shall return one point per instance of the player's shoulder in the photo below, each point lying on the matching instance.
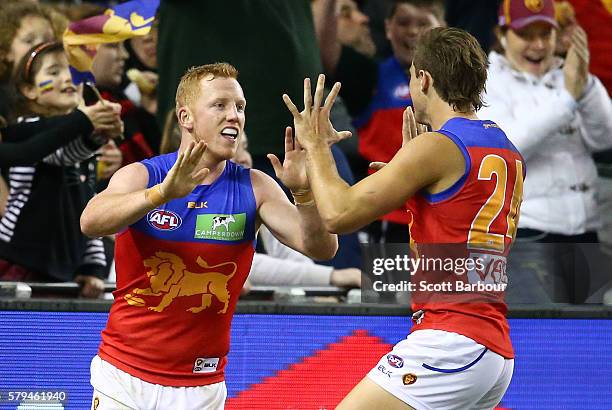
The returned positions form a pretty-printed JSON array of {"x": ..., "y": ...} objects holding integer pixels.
[
  {"x": 433, "y": 152},
  {"x": 260, "y": 177},
  {"x": 432, "y": 141},
  {"x": 133, "y": 170},
  {"x": 132, "y": 177},
  {"x": 161, "y": 161},
  {"x": 262, "y": 183},
  {"x": 265, "y": 188}
]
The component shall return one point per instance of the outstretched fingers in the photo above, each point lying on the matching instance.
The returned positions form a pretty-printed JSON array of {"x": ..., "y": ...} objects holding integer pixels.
[
  {"x": 201, "y": 175},
  {"x": 410, "y": 128},
  {"x": 179, "y": 160},
  {"x": 276, "y": 164},
  {"x": 298, "y": 147},
  {"x": 307, "y": 95},
  {"x": 342, "y": 135},
  {"x": 318, "y": 98},
  {"x": 289, "y": 144},
  {"x": 187, "y": 153},
  {"x": 331, "y": 97},
  {"x": 421, "y": 128},
  {"x": 406, "y": 131},
  {"x": 291, "y": 106},
  {"x": 412, "y": 123},
  {"x": 183, "y": 157},
  {"x": 194, "y": 153},
  {"x": 198, "y": 151}
]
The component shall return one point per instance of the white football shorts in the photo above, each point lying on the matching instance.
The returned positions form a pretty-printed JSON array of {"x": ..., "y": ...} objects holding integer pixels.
[
  {"x": 439, "y": 370},
  {"x": 115, "y": 389}
]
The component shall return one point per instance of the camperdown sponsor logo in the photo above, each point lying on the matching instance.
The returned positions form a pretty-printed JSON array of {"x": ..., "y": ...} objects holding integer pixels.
[{"x": 223, "y": 227}]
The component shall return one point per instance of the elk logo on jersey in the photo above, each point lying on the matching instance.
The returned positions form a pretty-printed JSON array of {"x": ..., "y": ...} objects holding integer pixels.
[
  {"x": 170, "y": 279},
  {"x": 222, "y": 227},
  {"x": 164, "y": 220}
]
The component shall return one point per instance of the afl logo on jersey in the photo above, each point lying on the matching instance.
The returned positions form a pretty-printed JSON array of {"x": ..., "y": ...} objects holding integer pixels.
[{"x": 164, "y": 220}]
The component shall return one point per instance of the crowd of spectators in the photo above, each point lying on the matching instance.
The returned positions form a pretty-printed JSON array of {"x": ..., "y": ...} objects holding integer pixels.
[{"x": 548, "y": 88}]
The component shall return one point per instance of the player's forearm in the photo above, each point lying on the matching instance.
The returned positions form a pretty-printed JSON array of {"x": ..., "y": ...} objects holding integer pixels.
[
  {"x": 107, "y": 214},
  {"x": 331, "y": 192},
  {"x": 317, "y": 242}
]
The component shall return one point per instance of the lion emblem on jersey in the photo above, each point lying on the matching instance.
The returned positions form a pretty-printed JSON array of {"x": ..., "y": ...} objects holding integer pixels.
[{"x": 170, "y": 279}]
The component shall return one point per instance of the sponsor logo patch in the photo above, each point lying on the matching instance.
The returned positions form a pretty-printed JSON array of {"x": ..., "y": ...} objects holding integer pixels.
[
  {"x": 164, "y": 220},
  {"x": 395, "y": 361},
  {"x": 205, "y": 365},
  {"x": 222, "y": 227},
  {"x": 409, "y": 378},
  {"x": 197, "y": 205}
]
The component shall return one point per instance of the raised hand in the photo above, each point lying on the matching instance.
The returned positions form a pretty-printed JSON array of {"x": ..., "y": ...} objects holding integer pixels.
[
  {"x": 185, "y": 175},
  {"x": 312, "y": 125},
  {"x": 110, "y": 160},
  {"x": 576, "y": 67},
  {"x": 410, "y": 130},
  {"x": 105, "y": 116},
  {"x": 292, "y": 171}
]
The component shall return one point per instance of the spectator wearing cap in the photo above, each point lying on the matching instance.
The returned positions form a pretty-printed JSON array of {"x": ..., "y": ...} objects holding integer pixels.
[{"x": 557, "y": 115}]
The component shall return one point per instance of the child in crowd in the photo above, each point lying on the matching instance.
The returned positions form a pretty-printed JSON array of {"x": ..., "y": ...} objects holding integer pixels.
[
  {"x": 40, "y": 237},
  {"x": 22, "y": 25}
]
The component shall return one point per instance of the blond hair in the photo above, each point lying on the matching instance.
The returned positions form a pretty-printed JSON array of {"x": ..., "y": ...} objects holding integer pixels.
[{"x": 188, "y": 89}]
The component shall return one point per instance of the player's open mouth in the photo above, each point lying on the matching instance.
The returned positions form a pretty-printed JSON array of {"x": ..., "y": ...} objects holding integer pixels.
[{"x": 230, "y": 133}]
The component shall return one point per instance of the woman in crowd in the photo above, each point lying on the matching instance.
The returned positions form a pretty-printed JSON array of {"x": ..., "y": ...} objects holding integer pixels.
[{"x": 557, "y": 115}]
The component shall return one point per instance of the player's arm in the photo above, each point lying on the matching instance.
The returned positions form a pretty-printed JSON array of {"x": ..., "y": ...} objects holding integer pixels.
[
  {"x": 127, "y": 199},
  {"x": 122, "y": 203},
  {"x": 298, "y": 226},
  {"x": 431, "y": 161},
  {"x": 423, "y": 162}
]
